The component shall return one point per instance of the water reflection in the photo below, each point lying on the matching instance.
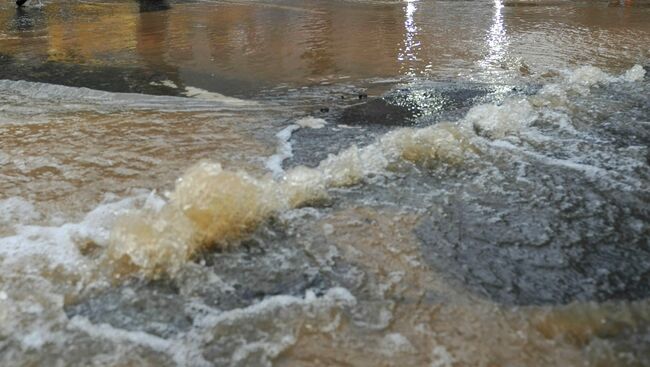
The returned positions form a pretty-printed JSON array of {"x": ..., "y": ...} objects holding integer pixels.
[
  {"x": 26, "y": 20},
  {"x": 318, "y": 54},
  {"x": 408, "y": 53},
  {"x": 241, "y": 49},
  {"x": 496, "y": 39},
  {"x": 153, "y": 5},
  {"x": 23, "y": 21},
  {"x": 152, "y": 42},
  {"x": 88, "y": 34}
]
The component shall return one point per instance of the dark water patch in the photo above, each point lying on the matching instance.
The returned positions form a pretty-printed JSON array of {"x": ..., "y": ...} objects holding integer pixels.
[
  {"x": 259, "y": 270},
  {"x": 379, "y": 112},
  {"x": 425, "y": 103},
  {"x": 275, "y": 260},
  {"x": 331, "y": 103},
  {"x": 151, "y": 307},
  {"x": 311, "y": 146},
  {"x": 101, "y": 77},
  {"x": 440, "y": 100},
  {"x": 27, "y": 20},
  {"x": 554, "y": 238},
  {"x": 146, "y": 6},
  {"x": 230, "y": 85}
]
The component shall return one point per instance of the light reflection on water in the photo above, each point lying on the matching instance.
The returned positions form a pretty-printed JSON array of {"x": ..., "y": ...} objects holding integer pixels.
[
  {"x": 68, "y": 159},
  {"x": 408, "y": 53},
  {"x": 242, "y": 48},
  {"x": 496, "y": 40}
]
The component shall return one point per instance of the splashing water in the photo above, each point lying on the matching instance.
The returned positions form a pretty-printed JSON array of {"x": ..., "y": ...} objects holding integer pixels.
[{"x": 212, "y": 207}]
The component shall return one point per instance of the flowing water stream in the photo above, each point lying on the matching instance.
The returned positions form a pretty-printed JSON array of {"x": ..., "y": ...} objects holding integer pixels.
[{"x": 325, "y": 183}]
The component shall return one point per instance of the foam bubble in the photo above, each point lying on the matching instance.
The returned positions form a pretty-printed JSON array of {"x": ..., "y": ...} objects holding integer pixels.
[
  {"x": 396, "y": 343},
  {"x": 588, "y": 76},
  {"x": 442, "y": 143},
  {"x": 441, "y": 357},
  {"x": 343, "y": 169},
  {"x": 203, "y": 94},
  {"x": 72, "y": 98},
  {"x": 311, "y": 122},
  {"x": 303, "y": 185},
  {"x": 635, "y": 74},
  {"x": 17, "y": 209},
  {"x": 209, "y": 206},
  {"x": 47, "y": 247},
  {"x": 165, "y": 83},
  {"x": 284, "y": 150},
  {"x": 498, "y": 121},
  {"x": 582, "y": 79}
]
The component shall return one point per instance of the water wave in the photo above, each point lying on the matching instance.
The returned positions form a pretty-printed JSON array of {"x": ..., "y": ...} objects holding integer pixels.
[{"x": 213, "y": 207}]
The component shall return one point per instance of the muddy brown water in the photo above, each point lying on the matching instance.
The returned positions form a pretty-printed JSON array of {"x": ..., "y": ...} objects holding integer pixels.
[{"x": 325, "y": 183}]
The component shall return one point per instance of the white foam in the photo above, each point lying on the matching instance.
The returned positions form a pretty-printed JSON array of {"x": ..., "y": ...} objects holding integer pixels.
[
  {"x": 166, "y": 83},
  {"x": 495, "y": 121},
  {"x": 311, "y": 122},
  {"x": 59, "y": 244},
  {"x": 582, "y": 79},
  {"x": 587, "y": 76},
  {"x": 334, "y": 297},
  {"x": 16, "y": 209},
  {"x": 590, "y": 171},
  {"x": 268, "y": 350},
  {"x": 283, "y": 151},
  {"x": 441, "y": 357},
  {"x": 203, "y": 94},
  {"x": 396, "y": 343},
  {"x": 73, "y": 98},
  {"x": 635, "y": 74}
]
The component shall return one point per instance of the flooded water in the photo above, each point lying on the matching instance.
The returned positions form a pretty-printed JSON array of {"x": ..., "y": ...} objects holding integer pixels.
[{"x": 325, "y": 183}]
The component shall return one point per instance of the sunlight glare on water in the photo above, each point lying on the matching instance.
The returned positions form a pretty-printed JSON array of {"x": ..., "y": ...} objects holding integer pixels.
[
  {"x": 496, "y": 39},
  {"x": 411, "y": 45}
]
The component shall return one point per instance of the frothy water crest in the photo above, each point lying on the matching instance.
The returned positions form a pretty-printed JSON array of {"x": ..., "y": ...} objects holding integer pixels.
[
  {"x": 212, "y": 207},
  {"x": 155, "y": 279},
  {"x": 75, "y": 99}
]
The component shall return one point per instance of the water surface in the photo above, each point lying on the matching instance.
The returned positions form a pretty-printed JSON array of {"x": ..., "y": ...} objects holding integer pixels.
[{"x": 324, "y": 183}]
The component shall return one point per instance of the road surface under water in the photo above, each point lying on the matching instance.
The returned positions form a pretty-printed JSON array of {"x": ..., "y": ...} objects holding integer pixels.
[{"x": 325, "y": 183}]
